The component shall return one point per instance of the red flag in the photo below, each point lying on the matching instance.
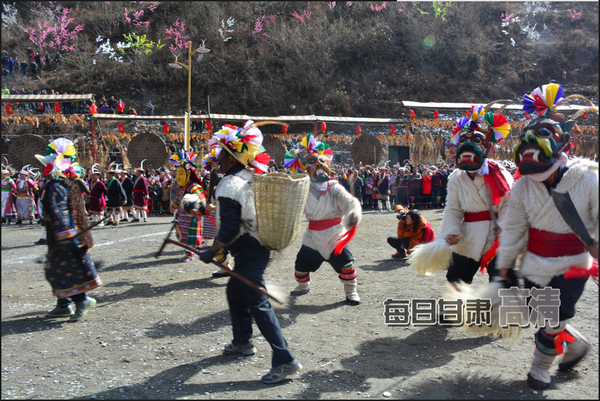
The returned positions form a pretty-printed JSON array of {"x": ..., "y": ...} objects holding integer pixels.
[
  {"x": 436, "y": 114},
  {"x": 358, "y": 130},
  {"x": 412, "y": 114},
  {"x": 167, "y": 129},
  {"x": 57, "y": 107},
  {"x": 392, "y": 130},
  {"x": 9, "y": 109},
  {"x": 284, "y": 129},
  {"x": 121, "y": 128},
  {"x": 323, "y": 126}
]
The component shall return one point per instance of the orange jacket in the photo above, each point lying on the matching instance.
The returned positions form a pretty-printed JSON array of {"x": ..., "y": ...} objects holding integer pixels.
[{"x": 423, "y": 233}]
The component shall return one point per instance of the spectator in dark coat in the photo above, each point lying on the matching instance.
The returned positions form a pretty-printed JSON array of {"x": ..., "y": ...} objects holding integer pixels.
[
  {"x": 414, "y": 187},
  {"x": 34, "y": 70}
]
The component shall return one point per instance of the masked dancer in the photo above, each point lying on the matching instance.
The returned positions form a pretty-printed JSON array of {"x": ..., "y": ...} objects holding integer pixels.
[{"x": 333, "y": 215}]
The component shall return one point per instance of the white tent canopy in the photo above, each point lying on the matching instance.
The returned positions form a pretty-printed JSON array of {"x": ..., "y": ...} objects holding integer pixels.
[{"x": 467, "y": 106}]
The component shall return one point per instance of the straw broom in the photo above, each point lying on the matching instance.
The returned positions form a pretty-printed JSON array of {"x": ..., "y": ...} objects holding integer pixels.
[
  {"x": 432, "y": 257},
  {"x": 489, "y": 291}
]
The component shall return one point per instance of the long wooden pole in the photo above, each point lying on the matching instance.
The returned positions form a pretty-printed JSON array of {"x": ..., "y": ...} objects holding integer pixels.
[
  {"x": 227, "y": 269},
  {"x": 186, "y": 139}
]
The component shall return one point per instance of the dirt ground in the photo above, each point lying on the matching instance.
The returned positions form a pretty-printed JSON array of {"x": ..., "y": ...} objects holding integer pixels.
[{"x": 160, "y": 324}]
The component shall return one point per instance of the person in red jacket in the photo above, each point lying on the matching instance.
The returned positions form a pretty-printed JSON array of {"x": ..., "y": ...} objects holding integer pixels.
[
  {"x": 426, "y": 188},
  {"x": 413, "y": 229},
  {"x": 120, "y": 107}
]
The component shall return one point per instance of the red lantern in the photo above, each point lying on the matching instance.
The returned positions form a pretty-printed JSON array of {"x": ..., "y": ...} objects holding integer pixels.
[
  {"x": 121, "y": 128},
  {"x": 392, "y": 130},
  {"x": 527, "y": 116},
  {"x": 358, "y": 130},
  {"x": 412, "y": 114},
  {"x": 436, "y": 115},
  {"x": 323, "y": 126},
  {"x": 585, "y": 115},
  {"x": 167, "y": 129},
  {"x": 93, "y": 109},
  {"x": 467, "y": 114},
  {"x": 57, "y": 107},
  {"x": 284, "y": 128},
  {"x": 9, "y": 109},
  {"x": 208, "y": 126}
]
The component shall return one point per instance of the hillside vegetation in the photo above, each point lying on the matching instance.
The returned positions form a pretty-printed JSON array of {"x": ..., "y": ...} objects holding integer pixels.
[{"x": 296, "y": 58}]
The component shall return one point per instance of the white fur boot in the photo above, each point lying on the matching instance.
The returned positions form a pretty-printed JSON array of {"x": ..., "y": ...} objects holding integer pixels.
[
  {"x": 303, "y": 287},
  {"x": 380, "y": 204},
  {"x": 538, "y": 377},
  {"x": 575, "y": 350},
  {"x": 116, "y": 218},
  {"x": 389, "y": 207},
  {"x": 350, "y": 290},
  {"x": 144, "y": 215},
  {"x": 135, "y": 213}
]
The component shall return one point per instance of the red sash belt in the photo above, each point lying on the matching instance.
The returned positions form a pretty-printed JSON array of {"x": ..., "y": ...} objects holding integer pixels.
[
  {"x": 320, "y": 225},
  {"x": 138, "y": 190},
  {"x": 552, "y": 245},
  {"x": 478, "y": 216}
]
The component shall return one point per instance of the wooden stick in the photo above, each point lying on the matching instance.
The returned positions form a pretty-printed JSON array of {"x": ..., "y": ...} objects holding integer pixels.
[
  {"x": 227, "y": 269},
  {"x": 162, "y": 247},
  {"x": 92, "y": 226}
]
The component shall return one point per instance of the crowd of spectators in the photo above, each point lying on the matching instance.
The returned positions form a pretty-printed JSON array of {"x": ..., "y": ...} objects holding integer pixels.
[
  {"x": 31, "y": 66},
  {"x": 417, "y": 187},
  {"x": 102, "y": 106}
]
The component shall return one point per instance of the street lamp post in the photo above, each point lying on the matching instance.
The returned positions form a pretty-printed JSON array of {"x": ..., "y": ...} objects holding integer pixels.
[{"x": 188, "y": 67}]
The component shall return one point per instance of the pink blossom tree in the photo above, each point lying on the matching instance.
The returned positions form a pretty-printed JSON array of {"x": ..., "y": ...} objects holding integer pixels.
[
  {"x": 56, "y": 35},
  {"x": 177, "y": 33},
  {"x": 576, "y": 14},
  {"x": 306, "y": 14},
  {"x": 263, "y": 21},
  {"x": 136, "y": 16}
]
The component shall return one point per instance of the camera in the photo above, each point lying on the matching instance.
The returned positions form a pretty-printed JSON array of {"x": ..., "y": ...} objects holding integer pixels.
[{"x": 401, "y": 216}]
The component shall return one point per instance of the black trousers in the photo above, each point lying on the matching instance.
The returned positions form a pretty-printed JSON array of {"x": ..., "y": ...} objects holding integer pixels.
[
  {"x": 464, "y": 268},
  {"x": 246, "y": 303},
  {"x": 64, "y": 302},
  {"x": 570, "y": 292},
  {"x": 398, "y": 243}
]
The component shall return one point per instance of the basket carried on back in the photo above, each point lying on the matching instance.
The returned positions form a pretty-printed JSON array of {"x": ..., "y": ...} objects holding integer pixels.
[{"x": 279, "y": 199}]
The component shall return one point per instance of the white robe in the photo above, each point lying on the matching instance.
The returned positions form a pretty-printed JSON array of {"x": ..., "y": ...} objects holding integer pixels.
[
  {"x": 466, "y": 195},
  {"x": 335, "y": 203},
  {"x": 531, "y": 206},
  {"x": 239, "y": 187}
]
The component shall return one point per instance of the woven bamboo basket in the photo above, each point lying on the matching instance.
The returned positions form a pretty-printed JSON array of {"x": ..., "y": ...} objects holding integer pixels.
[{"x": 279, "y": 199}]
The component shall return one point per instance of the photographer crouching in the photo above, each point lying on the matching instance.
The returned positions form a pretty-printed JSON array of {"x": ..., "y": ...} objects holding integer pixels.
[{"x": 413, "y": 229}]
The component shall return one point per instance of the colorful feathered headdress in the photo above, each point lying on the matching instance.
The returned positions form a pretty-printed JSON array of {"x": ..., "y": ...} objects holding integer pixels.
[
  {"x": 60, "y": 159},
  {"x": 209, "y": 160},
  {"x": 311, "y": 145},
  {"x": 494, "y": 126},
  {"x": 245, "y": 144},
  {"x": 184, "y": 159},
  {"x": 545, "y": 99}
]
